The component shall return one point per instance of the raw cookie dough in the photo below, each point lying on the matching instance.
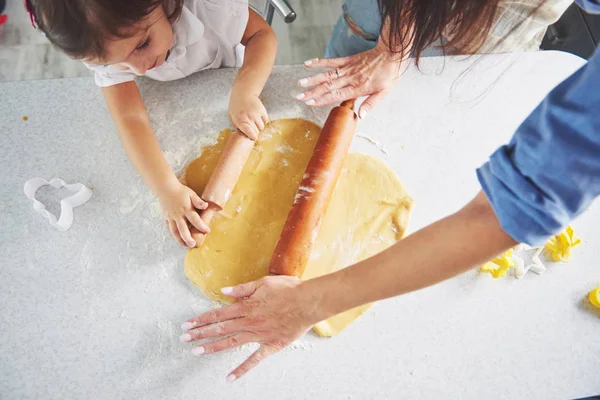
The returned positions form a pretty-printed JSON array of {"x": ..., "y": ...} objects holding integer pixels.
[{"x": 369, "y": 211}]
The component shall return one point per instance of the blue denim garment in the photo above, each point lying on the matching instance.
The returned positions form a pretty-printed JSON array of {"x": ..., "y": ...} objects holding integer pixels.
[
  {"x": 358, "y": 30},
  {"x": 549, "y": 173}
]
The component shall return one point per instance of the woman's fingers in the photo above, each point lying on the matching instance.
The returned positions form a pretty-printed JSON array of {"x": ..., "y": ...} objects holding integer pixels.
[
  {"x": 216, "y": 330},
  {"x": 217, "y": 315},
  {"x": 335, "y": 96},
  {"x": 327, "y": 62},
  {"x": 174, "y": 232},
  {"x": 197, "y": 222},
  {"x": 324, "y": 77},
  {"x": 370, "y": 102},
  {"x": 252, "y": 361},
  {"x": 228, "y": 343},
  {"x": 273, "y": 312},
  {"x": 184, "y": 231},
  {"x": 323, "y": 88}
]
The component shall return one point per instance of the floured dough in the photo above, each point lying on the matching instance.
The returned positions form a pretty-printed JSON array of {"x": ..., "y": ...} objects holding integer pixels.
[{"x": 369, "y": 211}]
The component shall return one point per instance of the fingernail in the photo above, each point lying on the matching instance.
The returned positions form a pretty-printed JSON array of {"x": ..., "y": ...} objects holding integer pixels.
[
  {"x": 198, "y": 351},
  {"x": 231, "y": 378},
  {"x": 310, "y": 102},
  {"x": 186, "y": 337},
  {"x": 303, "y": 81},
  {"x": 362, "y": 114},
  {"x": 227, "y": 290},
  {"x": 186, "y": 326},
  {"x": 309, "y": 62},
  {"x": 192, "y": 244},
  {"x": 300, "y": 96}
]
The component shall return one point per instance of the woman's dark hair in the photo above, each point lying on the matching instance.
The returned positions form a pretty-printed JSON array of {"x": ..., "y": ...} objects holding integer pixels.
[
  {"x": 80, "y": 28},
  {"x": 464, "y": 23}
]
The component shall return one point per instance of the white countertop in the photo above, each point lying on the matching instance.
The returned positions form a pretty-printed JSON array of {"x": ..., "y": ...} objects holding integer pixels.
[{"x": 94, "y": 312}]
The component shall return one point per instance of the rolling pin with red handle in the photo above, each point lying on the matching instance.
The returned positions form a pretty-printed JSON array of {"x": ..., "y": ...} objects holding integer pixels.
[
  {"x": 224, "y": 178},
  {"x": 312, "y": 198}
]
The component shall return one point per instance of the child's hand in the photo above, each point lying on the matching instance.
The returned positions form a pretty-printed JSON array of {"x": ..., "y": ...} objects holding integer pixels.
[
  {"x": 180, "y": 205},
  {"x": 248, "y": 114}
]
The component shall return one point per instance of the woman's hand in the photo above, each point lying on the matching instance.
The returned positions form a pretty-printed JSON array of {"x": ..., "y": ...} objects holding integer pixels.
[
  {"x": 248, "y": 114},
  {"x": 273, "y": 311},
  {"x": 371, "y": 73},
  {"x": 180, "y": 205}
]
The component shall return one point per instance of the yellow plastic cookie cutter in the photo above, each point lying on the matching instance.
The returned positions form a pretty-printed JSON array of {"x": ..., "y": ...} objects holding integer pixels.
[
  {"x": 500, "y": 265},
  {"x": 507, "y": 261},
  {"x": 559, "y": 246},
  {"x": 594, "y": 297}
]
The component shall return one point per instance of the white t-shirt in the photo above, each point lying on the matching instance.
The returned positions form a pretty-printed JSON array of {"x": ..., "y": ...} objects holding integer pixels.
[{"x": 206, "y": 35}]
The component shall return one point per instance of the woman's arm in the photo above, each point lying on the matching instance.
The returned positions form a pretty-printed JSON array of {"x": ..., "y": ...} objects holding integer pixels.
[
  {"x": 275, "y": 311},
  {"x": 437, "y": 252},
  {"x": 131, "y": 118},
  {"x": 246, "y": 111}
]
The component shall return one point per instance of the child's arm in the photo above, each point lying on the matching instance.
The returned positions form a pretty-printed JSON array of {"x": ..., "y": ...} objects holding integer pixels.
[
  {"x": 246, "y": 111},
  {"x": 179, "y": 203}
]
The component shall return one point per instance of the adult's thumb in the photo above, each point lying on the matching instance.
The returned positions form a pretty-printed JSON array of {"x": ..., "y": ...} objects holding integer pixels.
[
  {"x": 240, "y": 291},
  {"x": 370, "y": 103}
]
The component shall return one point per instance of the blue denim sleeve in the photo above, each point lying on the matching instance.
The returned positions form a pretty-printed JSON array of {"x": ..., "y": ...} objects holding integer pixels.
[{"x": 550, "y": 171}]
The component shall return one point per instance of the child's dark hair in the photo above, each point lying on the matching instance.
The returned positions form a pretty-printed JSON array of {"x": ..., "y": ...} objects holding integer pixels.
[{"x": 80, "y": 28}]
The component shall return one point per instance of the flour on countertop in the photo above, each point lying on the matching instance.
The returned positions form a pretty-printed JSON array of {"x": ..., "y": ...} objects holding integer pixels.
[
  {"x": 374, "y": 142},
  {"x": 301, "y": 345},
  {"x": 179, "y": 159},
  {"x": 129, "y": 203},
  {"x": 85, "y": 259}
]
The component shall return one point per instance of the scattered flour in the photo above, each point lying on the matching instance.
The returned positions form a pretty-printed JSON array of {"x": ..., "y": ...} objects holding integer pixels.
[
  {"x": 301, "y": 344},
  {"x": 374, "y": 142},
  {"x": 284, "y": 148},
  {"x": 307, "y": 189},
  {"x": 130, "y": 203},
  {"x": 178, "y": 159}
]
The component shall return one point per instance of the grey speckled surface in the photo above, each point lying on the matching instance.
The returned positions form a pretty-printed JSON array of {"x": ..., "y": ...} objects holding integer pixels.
[{"x": 94, "y": 312}]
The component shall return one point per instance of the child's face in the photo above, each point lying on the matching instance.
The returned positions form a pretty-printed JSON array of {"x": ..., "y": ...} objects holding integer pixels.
[{"x": 146, "y": 49}]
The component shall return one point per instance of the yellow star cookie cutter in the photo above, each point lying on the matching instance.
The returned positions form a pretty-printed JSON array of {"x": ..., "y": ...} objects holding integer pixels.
[{"x": 558, "y": 247}]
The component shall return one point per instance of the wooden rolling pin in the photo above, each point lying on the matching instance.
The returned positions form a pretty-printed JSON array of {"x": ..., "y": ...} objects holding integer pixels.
[
  {"x": 312, "y": 198},
  {"x": 223, "y": 179}
]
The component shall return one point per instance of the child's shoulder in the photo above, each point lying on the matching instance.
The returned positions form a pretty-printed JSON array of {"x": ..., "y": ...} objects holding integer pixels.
[
  {"x": 203, "y": 8},
  {"x": 227, "y": 18}
]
